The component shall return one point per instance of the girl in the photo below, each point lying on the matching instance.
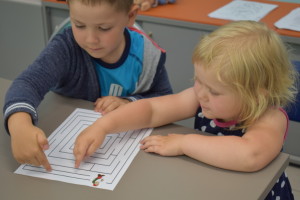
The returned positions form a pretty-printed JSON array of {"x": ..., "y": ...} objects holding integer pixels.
[{"x": 243, "y": 78}]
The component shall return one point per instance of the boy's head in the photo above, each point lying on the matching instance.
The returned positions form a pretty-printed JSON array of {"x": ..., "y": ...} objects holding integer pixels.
[
  {"x": 98, "y": 26},
  {"x": 119, "y": 5},
  {"x": 251, "y": 59}
]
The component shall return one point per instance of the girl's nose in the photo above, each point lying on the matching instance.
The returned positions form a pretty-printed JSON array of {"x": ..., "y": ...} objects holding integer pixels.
[{"x": 202, "y": 93}]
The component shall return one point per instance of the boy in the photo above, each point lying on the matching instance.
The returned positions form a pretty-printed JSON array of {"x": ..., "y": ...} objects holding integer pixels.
[{"x": 99, "y": 60}]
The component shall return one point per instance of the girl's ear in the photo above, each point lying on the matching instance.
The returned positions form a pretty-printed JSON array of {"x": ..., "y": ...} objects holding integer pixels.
[{"x": 132, "y": 15}]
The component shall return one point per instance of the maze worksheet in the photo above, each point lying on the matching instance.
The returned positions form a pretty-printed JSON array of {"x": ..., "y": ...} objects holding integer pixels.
[{"x": 103, "y": 169}]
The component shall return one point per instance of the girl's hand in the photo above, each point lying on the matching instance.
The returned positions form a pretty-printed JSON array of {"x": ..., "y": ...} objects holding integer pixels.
[
  {"x": 109, "y": 103},
  {"x": 87, "y": 143},
  {"x": 28, "y": 145},
  {"x": 163, "y": 145}
]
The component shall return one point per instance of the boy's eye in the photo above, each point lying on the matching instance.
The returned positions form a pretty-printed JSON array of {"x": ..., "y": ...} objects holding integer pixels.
[
  {"x": 79, "y": 26},
  {"x": 104, "y": 29}
]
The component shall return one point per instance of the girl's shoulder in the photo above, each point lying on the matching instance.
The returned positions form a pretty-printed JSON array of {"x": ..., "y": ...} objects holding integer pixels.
[
  {"x": 275, "y": 113},
  {"x": 278, "y": 117},
  {"x": 273, "y": 120},
  {"x": 274, "y": 116}
]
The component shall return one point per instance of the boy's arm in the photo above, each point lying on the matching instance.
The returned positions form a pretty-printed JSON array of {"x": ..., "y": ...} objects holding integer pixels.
[
  {"x": 150, "y": 112},
  {"x": 30, "y": 87},
  {"x": 23, "y": 98}
]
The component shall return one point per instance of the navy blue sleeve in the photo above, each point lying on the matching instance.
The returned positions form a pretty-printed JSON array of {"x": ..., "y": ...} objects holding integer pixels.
[{"x": 30, "y": 87}]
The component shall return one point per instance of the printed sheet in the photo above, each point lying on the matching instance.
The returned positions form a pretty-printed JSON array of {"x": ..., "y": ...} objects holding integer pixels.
[
  {"x": 103, "y": 169},
  {"x": 243, "y": 10},
  {"x": 291, "y": 21}
]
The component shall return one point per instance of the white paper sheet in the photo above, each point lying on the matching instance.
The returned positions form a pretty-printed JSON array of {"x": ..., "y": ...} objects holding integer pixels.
[
  {"x": 291, "y": 21},
  {"x": 103, "y": 169},
  {"x": 243, "y": 10}
]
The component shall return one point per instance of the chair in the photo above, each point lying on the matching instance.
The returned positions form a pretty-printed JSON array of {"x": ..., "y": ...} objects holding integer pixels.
[
  {"x": 291, "y": 145},
  {"x": 64, "y": 24},
  {"x": 294, "y": 112}
]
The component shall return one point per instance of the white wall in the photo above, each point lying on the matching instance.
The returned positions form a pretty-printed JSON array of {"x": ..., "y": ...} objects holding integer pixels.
[{"x": 21, "y": 35}]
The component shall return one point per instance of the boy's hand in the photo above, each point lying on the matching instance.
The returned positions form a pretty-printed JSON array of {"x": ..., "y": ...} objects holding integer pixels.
[
  {"x": 87, "y": 143},
  {"x": 163, "y": 145},
  {"x": 109, "y": 103},
  {"x": 28, "y": 145}
]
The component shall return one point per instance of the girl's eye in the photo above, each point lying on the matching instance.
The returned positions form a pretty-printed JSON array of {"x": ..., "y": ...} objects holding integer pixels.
[{"x": 214, "y": 92}]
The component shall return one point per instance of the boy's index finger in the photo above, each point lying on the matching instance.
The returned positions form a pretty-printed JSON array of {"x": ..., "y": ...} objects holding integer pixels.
[
  {"x": 44, "y": 162},
  {"x": 47, "y": 165}
]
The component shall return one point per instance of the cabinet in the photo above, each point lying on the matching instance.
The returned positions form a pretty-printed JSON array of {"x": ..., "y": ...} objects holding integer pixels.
[{"x": 54, "y": 13}]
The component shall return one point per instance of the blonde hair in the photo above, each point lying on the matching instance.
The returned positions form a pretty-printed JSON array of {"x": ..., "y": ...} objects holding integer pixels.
[
  {"x": 119, "y": 5},
  {"x": 254, "y": 62}
]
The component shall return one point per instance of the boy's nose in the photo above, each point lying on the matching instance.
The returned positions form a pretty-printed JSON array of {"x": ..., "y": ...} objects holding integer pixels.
[{"x": 91, "y": 37}]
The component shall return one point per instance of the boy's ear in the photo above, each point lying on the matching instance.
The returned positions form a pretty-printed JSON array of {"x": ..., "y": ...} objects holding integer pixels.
[{"x": 132, "y": 15}]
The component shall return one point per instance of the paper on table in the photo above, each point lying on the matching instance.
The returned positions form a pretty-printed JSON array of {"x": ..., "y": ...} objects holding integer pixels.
[
  {"x": 291, "y": 21},
  {"x": 243, "y": 10},
  {"x": 103, "y": 169}
]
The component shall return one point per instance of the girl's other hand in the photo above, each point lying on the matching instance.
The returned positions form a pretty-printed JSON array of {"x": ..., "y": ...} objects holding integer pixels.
[{"x": 169, "y": 145}]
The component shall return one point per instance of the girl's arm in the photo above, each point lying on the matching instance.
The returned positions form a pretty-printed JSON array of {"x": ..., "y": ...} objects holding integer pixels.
[
  {"x": 151, "y": 112},
  {"x": 260, "y": 144}
]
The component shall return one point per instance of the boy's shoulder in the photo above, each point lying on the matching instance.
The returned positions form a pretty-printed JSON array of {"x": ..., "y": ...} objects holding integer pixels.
[
  {"x": 147, "y": 39},
  {"x": 64, "y": 39},
  {"x": 66, "y": 34}
]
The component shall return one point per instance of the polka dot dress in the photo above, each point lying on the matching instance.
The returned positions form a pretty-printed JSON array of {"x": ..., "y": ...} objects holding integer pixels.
[{"x": 281, "y": 190}]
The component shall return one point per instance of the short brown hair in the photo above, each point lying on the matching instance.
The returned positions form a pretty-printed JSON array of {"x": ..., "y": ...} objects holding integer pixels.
[{"x": 119, "y": 5}]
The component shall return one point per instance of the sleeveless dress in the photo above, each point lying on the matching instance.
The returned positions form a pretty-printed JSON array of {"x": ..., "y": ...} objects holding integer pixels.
[{"x": 281, "y": 190}]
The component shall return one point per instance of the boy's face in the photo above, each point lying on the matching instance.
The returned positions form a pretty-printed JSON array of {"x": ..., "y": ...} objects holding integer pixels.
[
  {"x": 99, "y": 29},
  {"x": 218, "y": 101}
]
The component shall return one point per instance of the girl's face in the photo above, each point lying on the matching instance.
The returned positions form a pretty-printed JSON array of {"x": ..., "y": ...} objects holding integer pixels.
[
  {"x": 218, "y": 101},
  {"x": 99, "y": 29}
]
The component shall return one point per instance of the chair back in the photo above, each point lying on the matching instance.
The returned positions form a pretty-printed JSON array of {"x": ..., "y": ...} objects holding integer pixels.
[{"x": 294, "y": 110}]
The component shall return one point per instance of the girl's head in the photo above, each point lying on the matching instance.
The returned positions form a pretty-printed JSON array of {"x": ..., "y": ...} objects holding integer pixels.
[
  {"x": 98, "y": 26},
  {"x": 252, "y": 60}
]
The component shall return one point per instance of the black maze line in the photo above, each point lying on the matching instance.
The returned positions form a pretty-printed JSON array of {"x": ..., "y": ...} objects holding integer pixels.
[
  {"x": 126, "y": 161},
  {"x": 84, "y": 179},
  {"x": 73, "y": 117}
]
